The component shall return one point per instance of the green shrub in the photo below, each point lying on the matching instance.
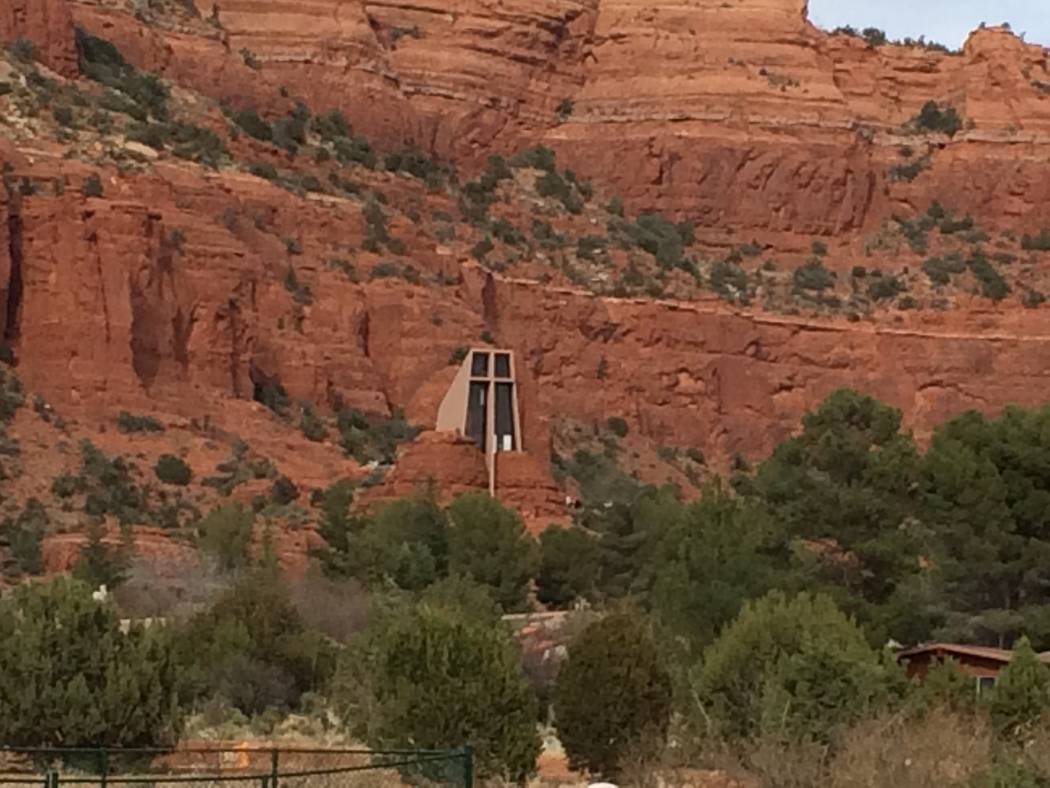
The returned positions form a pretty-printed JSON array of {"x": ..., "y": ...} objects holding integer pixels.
[
  {"x": 100, "y": 564},
  {"x": 587, "y": 246},
  {"x": 949, "y": 225},
  {"x": 311, "y": 425},
  {"x": 23, "y": 49},
  {"x": 127, "y": 670},
  {"x": 368, "y": 438},
  {"x": 283, "y": 491},
  {"x": 1032, "y": 298},
  {"x": 330, "y": 126},
  {"x": 262, "y": 169},
  {"x": 412, "y": 161},
  {"x": 385, "y": 270},
  {"x": 933, "y": 118},
  {"x": 813, "y": 276},
  {"x": 940, "y": 269},
  {"x": 92, "y": 186},
  {"x": 24, "y": 536},
  {"x": 12, "y": 396},
  {"x": 570, "y": 565},
  {"x": 273, "y": 395},
  {"x": 128, "y": 423},
  {"x": 886, "y": 287},
  {"x": 505, "y": 231},
  {"x": 226, "y": 533},
  {"x": 752, "y": 249},
  {"x": 657, "y": 235},
  {"x": 909, "y": 171},
  {"x": 481, "y": 249},
  {"x": 1022, "y": 692},
  {"x": 404, "y": 543},
  {"x": 250, "y": 123},
  {"x": 102, "y": 62},
  {"x": 355, "y": 150},
  {"x": 538, "y": 158},
  {"x": 916, "y": 232},
  {"x": 173, "y": 470},
  {"x": 457, "y": 356},
  {"x": 1036, "y": 243},
  {"x": 252, "y": 648},
  {"x": 63, "y": 116},
  {"x": 796, "y": 667},
  {"x": 728, "y": 279},
  {"x": 603, "y": 731},
  {"x": 551, "y": 184},
  {"x": 289, "y": 132},
  {"x": 488, "y": 544},
  {"x": 992, "y": 283},
  {"x": 300, "y": 291},
  {"x": 874, "y": 36},
  {"x": 617, "y": 426},
  {"x": 819, "y": 248},
  {"x": 426, "y": 675}
]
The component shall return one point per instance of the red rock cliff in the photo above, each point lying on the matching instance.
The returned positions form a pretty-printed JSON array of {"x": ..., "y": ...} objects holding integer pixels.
[
  {"x": 48, "y": 25},
  {"x": 741, "y": 116}
]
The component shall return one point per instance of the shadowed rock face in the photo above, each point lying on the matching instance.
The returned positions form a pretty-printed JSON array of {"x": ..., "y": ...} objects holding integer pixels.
[{"x": 745, "y": 119}]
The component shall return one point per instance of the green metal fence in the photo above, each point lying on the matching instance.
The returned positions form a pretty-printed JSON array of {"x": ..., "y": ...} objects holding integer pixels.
[{"x": 228, "y": 767}]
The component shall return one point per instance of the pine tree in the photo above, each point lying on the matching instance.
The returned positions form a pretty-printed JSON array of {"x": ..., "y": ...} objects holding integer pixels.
[
  {"x": 488, "y": 543},
  {"x": 100, "y": 564},
  {"x": 569, "y": 566},
  {"x": 1022, "y": 692}
]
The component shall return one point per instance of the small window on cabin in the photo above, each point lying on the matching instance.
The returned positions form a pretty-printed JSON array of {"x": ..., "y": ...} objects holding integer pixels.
[
  {"x": 503, "y": 365},
  {"x": 479, "y": 365},
  {"x": 985, "y": 683}
]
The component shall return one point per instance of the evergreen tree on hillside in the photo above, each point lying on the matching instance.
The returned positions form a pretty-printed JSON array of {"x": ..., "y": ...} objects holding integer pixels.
[
  {"x": 986, "y": 493},
  {"x": 69, "y": 677},
  {"x": 847, "y": 487},
  {"x": 487, "y": 542},
  {"x": 101, "y": 564},
  {"x": 1022, "y": 692},
  {"x": 720, "y": 551},
  {"x": 791, "y": 667}
]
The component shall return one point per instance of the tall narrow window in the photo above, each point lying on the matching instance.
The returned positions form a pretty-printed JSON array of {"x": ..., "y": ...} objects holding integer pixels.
[
  {"x": 505, "y": 438},
  {"x": 477, "y": 413},
  {"x": 479, "y": 365},
  {"x": 502, "y": 365}
]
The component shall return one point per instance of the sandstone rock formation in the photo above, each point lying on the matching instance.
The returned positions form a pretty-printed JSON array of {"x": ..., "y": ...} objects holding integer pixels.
[
  {"x": 797, "y": 128},
  {"x": 174, "y": 291}
]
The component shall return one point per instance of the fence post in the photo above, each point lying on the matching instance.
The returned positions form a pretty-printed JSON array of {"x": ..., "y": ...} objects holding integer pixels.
[
  {"x": 273, "y": 767},
  {"x": 103, "y": 758},
  {"x": 468, "y": 766}
]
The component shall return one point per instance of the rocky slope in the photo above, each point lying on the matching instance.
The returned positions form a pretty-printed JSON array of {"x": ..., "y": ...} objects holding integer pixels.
[{"x": 194, "y": 278}]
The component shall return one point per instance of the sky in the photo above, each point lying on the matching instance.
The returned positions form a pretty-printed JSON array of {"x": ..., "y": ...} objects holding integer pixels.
[{"x": 946, "y": 21}]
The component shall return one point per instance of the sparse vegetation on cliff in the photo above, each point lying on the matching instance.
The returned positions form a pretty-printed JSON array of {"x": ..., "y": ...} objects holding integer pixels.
[{"x": 935, "y": 118}]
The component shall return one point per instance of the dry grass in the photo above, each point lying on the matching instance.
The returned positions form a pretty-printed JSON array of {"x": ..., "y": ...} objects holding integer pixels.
[{"x": 942, "y": 749}]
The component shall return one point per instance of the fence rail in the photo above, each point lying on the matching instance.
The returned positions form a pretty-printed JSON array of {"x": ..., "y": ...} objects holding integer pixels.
[{"x": 252, "y": 767}]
